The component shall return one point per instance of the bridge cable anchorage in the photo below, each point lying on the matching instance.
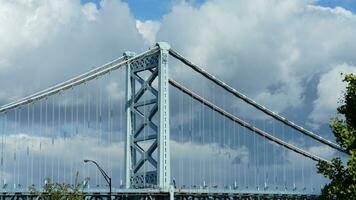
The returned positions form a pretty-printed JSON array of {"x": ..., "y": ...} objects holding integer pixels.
[
  {"x": 245, "y": 124},
  {"x": 238, "y": 94},
  {"x": 78, "y": 80}
]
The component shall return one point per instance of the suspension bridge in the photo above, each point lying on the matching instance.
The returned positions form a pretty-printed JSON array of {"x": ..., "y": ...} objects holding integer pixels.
[{"x": 157, "y": 134}]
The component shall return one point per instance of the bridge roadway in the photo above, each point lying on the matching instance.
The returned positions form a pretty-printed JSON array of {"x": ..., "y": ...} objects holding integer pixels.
[{"x": 178, "y": 194}]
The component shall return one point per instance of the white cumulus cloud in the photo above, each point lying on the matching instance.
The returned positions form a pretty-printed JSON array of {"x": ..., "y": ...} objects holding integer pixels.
[
  {"x": 330, "y": 91},
  {"x": 148, "y": 29},
  {"x": 269, "y": 50},
  {"x": 45, "y": 42}
]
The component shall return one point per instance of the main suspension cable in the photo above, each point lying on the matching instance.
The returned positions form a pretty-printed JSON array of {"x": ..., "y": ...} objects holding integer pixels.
[
  {"x": 245, "y": 124},
  {"x": 253, "y": 103},
  {"x": 97, "y": 72}
]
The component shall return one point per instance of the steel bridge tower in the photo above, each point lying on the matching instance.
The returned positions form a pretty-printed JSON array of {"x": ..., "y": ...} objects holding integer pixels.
[{"x": 147, "y": 108}]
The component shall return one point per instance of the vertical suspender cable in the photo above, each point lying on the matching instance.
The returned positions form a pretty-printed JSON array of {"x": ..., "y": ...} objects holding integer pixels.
[
  {"x": 259, "y": 161},
  {"x": 110, "y": 135},
  {"x": 27, "y": 156},
  {"x": 52, "y": 138},
  {"x": 20, "y": 143},
  {"x": 293, "y": 163},
  {"x": 65, "y": 96},
  {"x": 310, "y": 171},
  {"x": 246, "y": 166},
  {"x": 190, "y": 140},
  {"x": 237, "y": 171},
  {"x": 71, "y": 135},
  {"x": 19, "y": 149},
  {"x": 225, "y": 149},
  {"x": 31, "y": 144},
  {"x": 212, "y": 161},
  {"x": 96, "y": 131},
  {"x": 210, "y": 143},
  {"x": 274, "y": 158},
  {"x": 82, "y": 132},
  {"x": 46, "y": 133},
  {"x": 121, "y": 112},
  {"x": 89, "y": 104},
  {"x": 81, "y": 120},
  {"x": 229, "y": 166},
  {"x": 108, "y": 127},
  {"x": 2, "y": 148},
  {"x": 5, "y": 132},
  {"x": 40, "y": 147},
  {"x": 202, "y": 133},
  {"x": 87, "y": 125},
  {"x": 303, "y": 181},
  {"x": 15, "y": 150},
  {"x": 58, "y": 136},
  {"x": 264, "y": 158},
  {"x": 121, "y": 131},
  {"x": 76, "y": 120},
  {"x": 223, "y": 181},
  {"x": 99, "y": 127},
  {"x": 181, "y": 139},
  {"x": 123, "y": 124},
  {"x": 199, "y": 144},
  {"x": 255, "y": 159},
  {"x": 89, "y": 128},
  {"x": 211, "y": 146},
  {"x": 284, "y": 160}
]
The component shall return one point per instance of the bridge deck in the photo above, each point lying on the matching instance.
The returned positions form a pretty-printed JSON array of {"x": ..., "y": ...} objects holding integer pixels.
[{"x": 182, "y": 194}]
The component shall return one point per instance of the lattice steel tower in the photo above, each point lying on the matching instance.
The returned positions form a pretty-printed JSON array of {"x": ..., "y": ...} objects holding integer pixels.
[{"x": 147, "y": 148}]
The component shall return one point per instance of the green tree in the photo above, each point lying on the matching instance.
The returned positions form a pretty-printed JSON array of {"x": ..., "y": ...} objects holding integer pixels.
[
  {"x": 60, "y": 191},
  {"x": 343, "y": 177}
]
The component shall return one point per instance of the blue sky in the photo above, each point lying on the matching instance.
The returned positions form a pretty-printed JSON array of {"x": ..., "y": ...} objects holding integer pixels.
[
  {"x": 149, "y": 9},
  {"x": 144, "y": 9},
  {"x": 347, "y": 4},
  {"x": 155, "y": 9}
]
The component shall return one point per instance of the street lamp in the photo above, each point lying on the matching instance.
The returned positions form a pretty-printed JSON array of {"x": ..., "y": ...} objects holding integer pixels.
[{"x": 107, "y": 178}]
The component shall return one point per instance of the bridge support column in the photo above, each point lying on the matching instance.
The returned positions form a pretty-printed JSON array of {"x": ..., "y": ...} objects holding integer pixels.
[
  {"x": 164, "y": 168},
  {"x": 147, "y": 154},
  {"x": 129, "y": 130}
]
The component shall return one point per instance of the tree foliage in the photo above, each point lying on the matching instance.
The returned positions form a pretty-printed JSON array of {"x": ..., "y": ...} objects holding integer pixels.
[
  {"x": 343, "y": 177},
  {"x": 60, "y": 191}
]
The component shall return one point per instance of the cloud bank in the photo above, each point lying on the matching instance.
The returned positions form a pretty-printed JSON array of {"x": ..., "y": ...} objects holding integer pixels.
[
  {"x": 330, "y": 92},
  {"x": 267, "y": 49},
  {"x": 55, "y": 40}
]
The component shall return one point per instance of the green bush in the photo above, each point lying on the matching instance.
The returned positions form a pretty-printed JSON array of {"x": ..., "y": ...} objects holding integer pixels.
[{"x": 60, "y": 191}]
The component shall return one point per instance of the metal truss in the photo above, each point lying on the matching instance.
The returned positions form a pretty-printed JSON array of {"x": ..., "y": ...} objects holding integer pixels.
[{"x": 147, "y": 140}]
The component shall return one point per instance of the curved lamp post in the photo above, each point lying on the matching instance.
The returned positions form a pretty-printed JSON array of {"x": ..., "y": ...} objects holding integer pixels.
[{"x": 107, "y": 178}]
